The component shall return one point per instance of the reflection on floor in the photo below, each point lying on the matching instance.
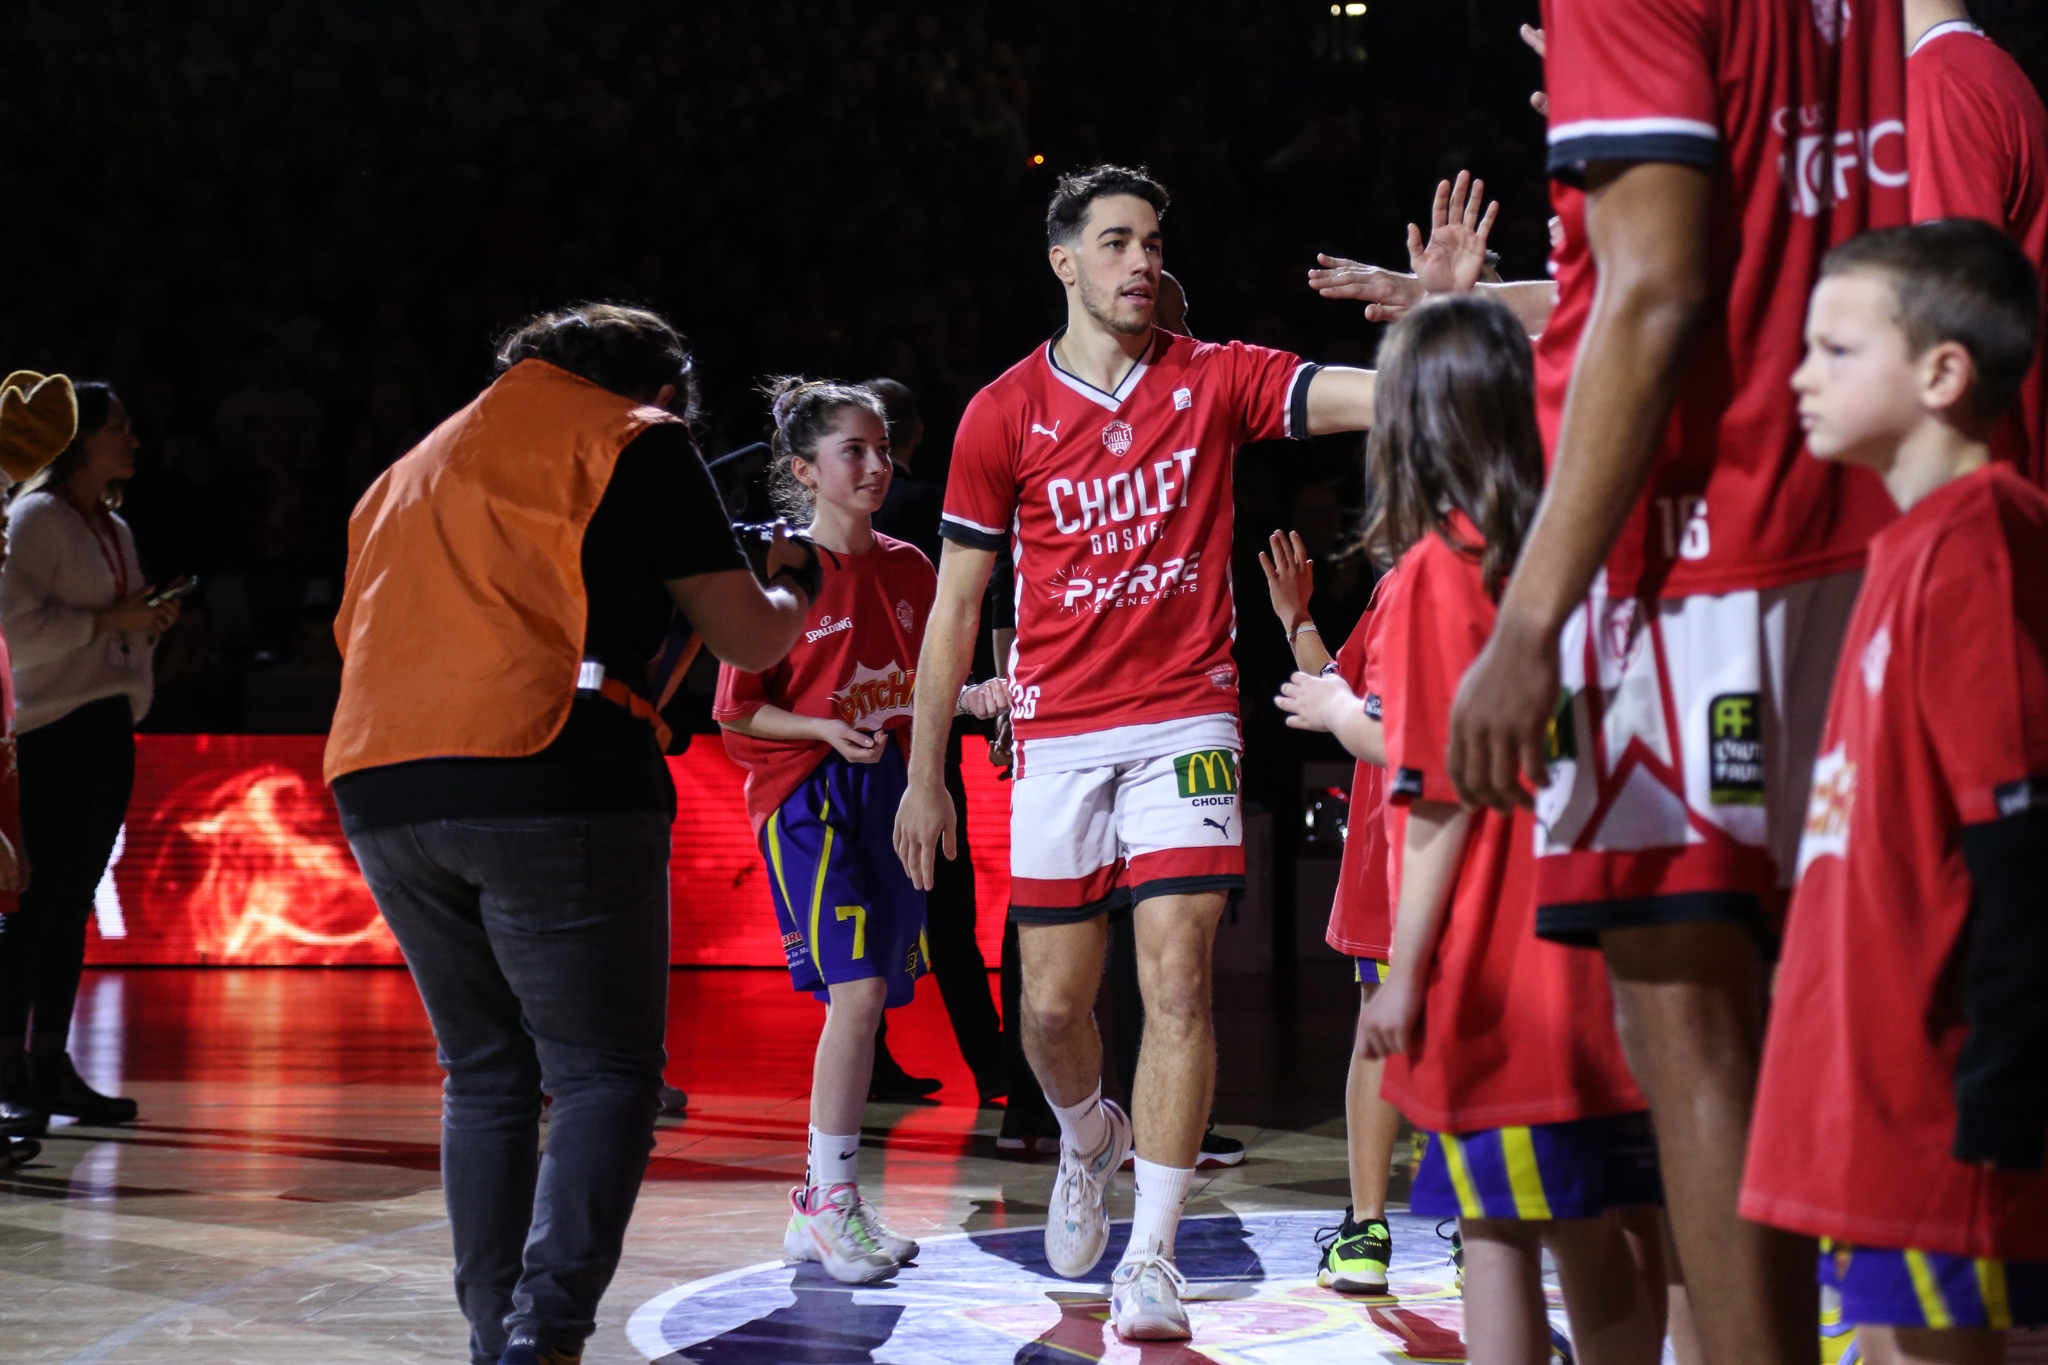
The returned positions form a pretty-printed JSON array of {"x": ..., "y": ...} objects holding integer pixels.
[{"x": 280, "y": 1201}]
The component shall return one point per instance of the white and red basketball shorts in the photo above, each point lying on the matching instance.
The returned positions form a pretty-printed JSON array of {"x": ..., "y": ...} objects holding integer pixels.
[
  {"x": 1107, "y": 819},
  {"x": 1683, "y": 756}
]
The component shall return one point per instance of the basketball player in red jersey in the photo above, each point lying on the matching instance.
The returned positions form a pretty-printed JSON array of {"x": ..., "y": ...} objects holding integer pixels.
[
  {"x": 1687, "y": 581},
  {"x": 1977, "y": 144},
  {"x": 1104, "y": 459}
]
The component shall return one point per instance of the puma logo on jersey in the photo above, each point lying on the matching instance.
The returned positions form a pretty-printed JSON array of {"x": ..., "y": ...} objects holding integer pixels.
[
  {"x": 1052, "y": 431},
  {"x": 1224, "y": 826}
]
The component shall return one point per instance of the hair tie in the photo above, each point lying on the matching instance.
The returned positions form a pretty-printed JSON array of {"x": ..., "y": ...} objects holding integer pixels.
[{"x": 782, "y": 405}]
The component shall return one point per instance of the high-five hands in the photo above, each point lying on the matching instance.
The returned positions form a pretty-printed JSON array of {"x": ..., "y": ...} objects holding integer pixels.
[
  {"x": 1450, "y": 261},
  {"x": 1538, "y": 100}
]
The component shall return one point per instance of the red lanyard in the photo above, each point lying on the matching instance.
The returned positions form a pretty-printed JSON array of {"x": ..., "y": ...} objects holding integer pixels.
[{"x": 108, "y": 540}]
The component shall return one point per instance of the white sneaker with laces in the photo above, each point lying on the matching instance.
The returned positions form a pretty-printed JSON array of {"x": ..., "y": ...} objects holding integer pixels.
[
  {"x": 826, "y": 1226},
  {"x": 900, "y": 1248},
  {"x": 1077, "y": 1223},
  {"x": 1144, "y": 1300}
]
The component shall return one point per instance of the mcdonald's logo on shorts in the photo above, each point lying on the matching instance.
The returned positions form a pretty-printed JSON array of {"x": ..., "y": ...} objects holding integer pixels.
[{"x": 1211, "y": 772}]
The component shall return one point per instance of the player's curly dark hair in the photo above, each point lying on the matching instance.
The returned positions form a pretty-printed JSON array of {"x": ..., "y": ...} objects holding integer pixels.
[
  {"x": 1078, "y": 189},
  {"x": 631, "y": 351},
  {"x": 1455, "y": 427},
  {"x": 802, "y": 411}
]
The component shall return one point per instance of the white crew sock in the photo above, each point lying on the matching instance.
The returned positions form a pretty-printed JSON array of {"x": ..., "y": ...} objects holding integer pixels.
[
  {"x": 1162, "y": 1192},
  {"x": 835, "y": 1160},
  {"x": 1083, "y": 1127}
]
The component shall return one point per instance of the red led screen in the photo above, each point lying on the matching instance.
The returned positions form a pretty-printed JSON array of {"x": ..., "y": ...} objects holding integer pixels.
[{"x": 233, "y": 855}]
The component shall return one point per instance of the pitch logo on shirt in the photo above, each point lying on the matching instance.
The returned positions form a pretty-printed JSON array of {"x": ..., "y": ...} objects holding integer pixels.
[
  {"x": 1207, "y": 777},
  {"x": 1735, "y": 750},
  {"x": 874, "y": 695},
  {"x": 1828, "y": 810}
]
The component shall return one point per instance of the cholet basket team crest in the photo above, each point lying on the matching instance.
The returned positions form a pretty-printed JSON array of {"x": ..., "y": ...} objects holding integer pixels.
[{"x": 988, "y": 1298}]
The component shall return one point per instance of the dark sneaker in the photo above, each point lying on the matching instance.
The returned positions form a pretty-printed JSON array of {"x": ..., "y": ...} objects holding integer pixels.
[
  {"x": 56, "y": 1088},
  {"x": 18, "y": 1151},
  {"x": 1023, "y": 1131},
  {"x": 1218, "y": 1150},
  {"x": 1457, "y": 1250},
  {"x": 19, "y": 1116},
  {"x": 533, "y": 1353},
  {"x": 1355, "y": 1256},
  {"x": 674, "y": 1101}
]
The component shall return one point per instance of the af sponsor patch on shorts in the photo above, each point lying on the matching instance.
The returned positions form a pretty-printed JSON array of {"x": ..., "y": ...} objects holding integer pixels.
[{"x": 1735, "y": 750}]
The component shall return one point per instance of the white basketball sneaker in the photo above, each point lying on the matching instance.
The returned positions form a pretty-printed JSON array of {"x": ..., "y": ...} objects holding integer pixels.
[
  {"x": 826, "y": 1226},
  {"x": 1077, "y": 1224},
  {"x": 1144, "y": 1300},
  {"x": 900, "y": 1248}
]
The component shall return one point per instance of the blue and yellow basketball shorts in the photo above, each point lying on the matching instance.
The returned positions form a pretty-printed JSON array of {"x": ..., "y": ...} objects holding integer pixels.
[
  {"x": 1368, "y": 971},
  {"x": 1578, "y": 1169},
  {"x": 1884, "y": 1287},
  {"x": 845, "y": 906}
]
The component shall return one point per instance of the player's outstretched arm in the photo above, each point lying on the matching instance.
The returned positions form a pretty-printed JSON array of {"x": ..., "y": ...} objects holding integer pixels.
[
  {"x": 1647, "y": 224},
  {"x": 1340, "y": 399},
  {"x": 1430, "y": 855},
  {"x": 926, "y": 821},
  {"x": 1450, "y": 261}
]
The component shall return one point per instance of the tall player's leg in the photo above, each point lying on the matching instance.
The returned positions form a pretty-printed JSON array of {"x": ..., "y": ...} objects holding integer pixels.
[
  {"x": 1062, "y": 968},
  {"x": 1689, "y": 1002},
  {"x": 1177, "y": 1064}
]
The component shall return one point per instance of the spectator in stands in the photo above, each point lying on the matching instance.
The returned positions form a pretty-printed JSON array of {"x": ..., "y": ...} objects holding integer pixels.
[{"x": 82, "y": 624}]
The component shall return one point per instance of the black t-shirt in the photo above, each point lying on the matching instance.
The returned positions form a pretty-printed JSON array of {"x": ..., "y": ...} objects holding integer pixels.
[{"x": 660, "y": 519}]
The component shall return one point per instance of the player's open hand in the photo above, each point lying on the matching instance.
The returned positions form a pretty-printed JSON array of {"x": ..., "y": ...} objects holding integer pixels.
[
  {"x": 855, "y": 746},
  {"x": 925, "y": 825},
  {"x": 1388, "y": 1018},
  {"x": 1317, "y": 702},
  {"x": 1387, "y": 294},
  {"x": 1290, "y": 576},
  {"x": 1533, "y": 36},
  {"x": 985, "y": 700},
  {"x": 1501, "y": 718},
  {"x": 1454, "y": 258}
]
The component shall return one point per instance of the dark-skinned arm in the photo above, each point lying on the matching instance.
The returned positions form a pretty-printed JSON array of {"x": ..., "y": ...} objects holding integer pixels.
[
  {"x": 2002, "y": 1072},
  {"x": 1648, "y": 225}
]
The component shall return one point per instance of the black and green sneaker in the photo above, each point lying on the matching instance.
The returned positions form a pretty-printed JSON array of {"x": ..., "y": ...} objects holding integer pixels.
[
  {"x": 1457, "y": 1250},
  {"x": 1355, "y": 1256}
]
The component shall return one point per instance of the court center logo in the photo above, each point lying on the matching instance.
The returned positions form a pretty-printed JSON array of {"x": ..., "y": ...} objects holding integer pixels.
[
  {"x": 1206, "y": 775},
  {"x": 1117, "y": 436}
]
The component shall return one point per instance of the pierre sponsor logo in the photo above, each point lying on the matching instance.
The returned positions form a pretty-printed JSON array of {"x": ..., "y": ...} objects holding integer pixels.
[
  {"x": 1735, "y": 750},
  {"x": 828, "y": 626},
  {"x": 1076, "y": 589},
  {"x": 1207, "y": 777},
  {"x": 1827, "y": 812}
]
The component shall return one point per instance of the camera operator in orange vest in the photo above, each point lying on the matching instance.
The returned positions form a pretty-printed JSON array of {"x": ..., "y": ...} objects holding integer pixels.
[{"x": 496, "y": 763}]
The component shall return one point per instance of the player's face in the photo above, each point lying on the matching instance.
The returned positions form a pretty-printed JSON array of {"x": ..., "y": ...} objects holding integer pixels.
[
  {"x": 1115, "y": 263},
  {"x": 1858, "y": 386},
  {"x": 850, "y": 469}
]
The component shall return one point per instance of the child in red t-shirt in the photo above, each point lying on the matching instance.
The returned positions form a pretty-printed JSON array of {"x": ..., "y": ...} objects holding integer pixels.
[
  {"x": 1357, "y": 1252},
  {"x": 1498, "y": 1043},
  {"x": 1902, "y": 1111},
  {"x": 824, "y": 777}
]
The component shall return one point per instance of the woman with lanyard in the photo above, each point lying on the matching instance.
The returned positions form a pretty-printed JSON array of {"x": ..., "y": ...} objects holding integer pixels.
[{"x": 82, "y": 625}]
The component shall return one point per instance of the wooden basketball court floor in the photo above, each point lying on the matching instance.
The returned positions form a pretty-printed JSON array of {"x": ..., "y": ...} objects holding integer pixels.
[{"x": 279, "y": 1201}]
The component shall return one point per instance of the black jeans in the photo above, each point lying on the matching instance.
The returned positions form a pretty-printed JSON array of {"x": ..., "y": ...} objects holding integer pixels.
[
  {"x": 76, "y": 775},
  {"x": 956, "y": 957},
  {"x": 540, "y": 946}
]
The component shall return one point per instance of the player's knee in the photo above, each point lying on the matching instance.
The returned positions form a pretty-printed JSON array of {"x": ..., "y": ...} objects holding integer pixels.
[{"x": 1052, "y": 1013}]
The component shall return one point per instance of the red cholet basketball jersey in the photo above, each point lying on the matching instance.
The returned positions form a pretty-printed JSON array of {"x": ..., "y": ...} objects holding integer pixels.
[{"x": 1362, "y": 916}]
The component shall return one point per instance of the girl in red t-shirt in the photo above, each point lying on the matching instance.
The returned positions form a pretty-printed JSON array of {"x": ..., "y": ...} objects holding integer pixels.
[
  {"x": 1501, "y": 1045},
  {"x": 824, "y": 778}
]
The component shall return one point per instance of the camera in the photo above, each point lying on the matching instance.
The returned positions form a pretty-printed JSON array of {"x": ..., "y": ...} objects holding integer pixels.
[{"x": 758, "y": 537}]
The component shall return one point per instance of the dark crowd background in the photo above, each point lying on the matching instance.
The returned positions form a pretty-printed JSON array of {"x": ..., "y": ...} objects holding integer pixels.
[{"x": 288, "y": 233}]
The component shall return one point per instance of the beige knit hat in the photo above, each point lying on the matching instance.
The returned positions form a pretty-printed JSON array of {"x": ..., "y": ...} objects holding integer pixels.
[{"x": 38, "y": 418}]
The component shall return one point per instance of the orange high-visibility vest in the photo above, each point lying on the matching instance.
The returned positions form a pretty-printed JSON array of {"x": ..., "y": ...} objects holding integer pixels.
[{"x": 462, "y": 623}]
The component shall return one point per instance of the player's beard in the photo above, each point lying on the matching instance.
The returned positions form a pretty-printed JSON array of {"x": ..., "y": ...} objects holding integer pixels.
[{"x": 1128, "y": 321}]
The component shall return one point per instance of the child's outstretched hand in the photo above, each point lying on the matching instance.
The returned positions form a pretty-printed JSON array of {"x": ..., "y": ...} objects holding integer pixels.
[
  {"x": 1385, "y": 1023},
  {"x": 855, "y": 746},
  {"x": 1315, "y": 702},
  {"x": 1290, "y": 576}
]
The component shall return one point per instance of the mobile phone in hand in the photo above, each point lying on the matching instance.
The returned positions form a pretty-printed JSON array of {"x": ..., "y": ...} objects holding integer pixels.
[{"x": 184, "y": 586}]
